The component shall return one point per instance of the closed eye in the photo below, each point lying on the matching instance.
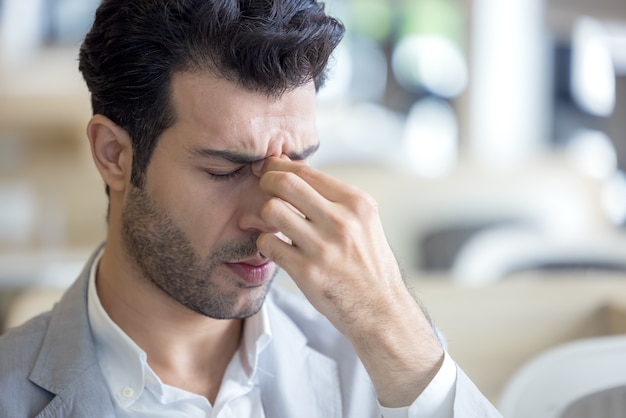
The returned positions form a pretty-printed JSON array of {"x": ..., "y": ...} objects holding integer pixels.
[{"x": 226, "y": 176}]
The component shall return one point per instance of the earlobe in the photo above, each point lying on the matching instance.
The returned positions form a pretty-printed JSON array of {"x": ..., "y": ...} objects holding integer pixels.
[{"x": 111, "y": 151}]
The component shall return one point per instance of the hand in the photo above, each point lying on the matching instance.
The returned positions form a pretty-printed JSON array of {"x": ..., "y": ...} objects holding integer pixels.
[{"x": 339, "y": 257}]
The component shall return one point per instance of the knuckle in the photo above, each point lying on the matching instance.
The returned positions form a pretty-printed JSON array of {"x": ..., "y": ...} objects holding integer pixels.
[
  {"x": 271, "y": 209},
  {"x": 344, "y": 227},
  {"x": 363, "y": 204},
  {"x": 303, "y": 171},
  {"x": 290, "y": 180},
  {"x": 285, "y": 180},
  {"x": 342, "y": 239}
]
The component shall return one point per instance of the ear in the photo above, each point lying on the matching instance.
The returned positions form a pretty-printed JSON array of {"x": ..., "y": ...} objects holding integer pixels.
[{"x": 111, "y": 149}]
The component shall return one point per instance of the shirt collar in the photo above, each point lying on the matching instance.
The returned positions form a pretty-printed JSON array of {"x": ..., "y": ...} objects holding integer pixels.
[
  {"x": 120, "y": 358},
  {"x": 124, "y": 363}
]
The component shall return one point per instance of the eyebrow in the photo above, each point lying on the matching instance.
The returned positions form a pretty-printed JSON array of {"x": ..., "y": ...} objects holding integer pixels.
[{"x": 241, "y": 158}]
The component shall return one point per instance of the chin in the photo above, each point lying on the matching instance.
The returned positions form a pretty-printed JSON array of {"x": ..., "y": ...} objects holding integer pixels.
[{"x": 241, "y": 304}]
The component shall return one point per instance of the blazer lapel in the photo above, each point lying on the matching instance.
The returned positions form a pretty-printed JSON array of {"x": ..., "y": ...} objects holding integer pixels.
[
  {"x": 81, "y": 398},
  {"x": 296, "y": 381},
  {"x": 67, "y": 364}
]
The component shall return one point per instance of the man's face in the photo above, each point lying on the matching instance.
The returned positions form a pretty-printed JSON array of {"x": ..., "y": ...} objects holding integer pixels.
[{"x": 192, "y": 229}]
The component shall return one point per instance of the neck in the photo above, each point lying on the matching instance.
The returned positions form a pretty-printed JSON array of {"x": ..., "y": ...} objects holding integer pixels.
[{"x": 184, "y": 348}]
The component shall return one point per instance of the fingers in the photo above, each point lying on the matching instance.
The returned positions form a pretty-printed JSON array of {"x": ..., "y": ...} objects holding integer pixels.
[
  {"x": 293, "y": 191},
  {"x": 325, "y": 219},
  {"x": 311, "y": 192},
  {"x": 330, "y": 188},
  {"x": 291, "y": 223},
  {"x": 280, "y": 252}
]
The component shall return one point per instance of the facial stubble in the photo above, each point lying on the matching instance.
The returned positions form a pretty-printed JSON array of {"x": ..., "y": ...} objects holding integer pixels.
[{"x": 165, "y": 257}]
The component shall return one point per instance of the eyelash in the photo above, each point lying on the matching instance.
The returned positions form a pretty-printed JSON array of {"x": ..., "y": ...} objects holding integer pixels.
[{"x": 227, "y": 176}]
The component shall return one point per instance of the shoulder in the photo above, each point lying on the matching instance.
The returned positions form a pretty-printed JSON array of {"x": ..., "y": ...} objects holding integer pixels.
[
  {"x": 19, "y": 349},
  {"x": 21, "y": 344}
]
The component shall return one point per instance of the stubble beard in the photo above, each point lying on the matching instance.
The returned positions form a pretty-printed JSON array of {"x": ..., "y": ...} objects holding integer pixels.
[{"x": 167, "y": 259}]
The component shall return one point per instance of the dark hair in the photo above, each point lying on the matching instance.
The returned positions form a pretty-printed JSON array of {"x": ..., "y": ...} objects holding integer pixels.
[{"x": 134, "y": 48}]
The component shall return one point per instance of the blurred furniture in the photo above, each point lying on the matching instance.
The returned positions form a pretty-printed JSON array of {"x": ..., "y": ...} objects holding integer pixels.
[
  {"x": 494, "y": 253},
  {"x": 548, "y": 385},
  {"x": 493, "y": 330},
  {"x": 30, "y": 282},
  {"x": 41, "y": 269},
  {"x": 428, "y": 217},
  {"x": 608, "y": 403},
  {"x": 30, "y": 303}
]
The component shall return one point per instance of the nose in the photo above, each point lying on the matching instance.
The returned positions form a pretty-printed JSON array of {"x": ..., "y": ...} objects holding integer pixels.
[{"x": 252, "y": 199}]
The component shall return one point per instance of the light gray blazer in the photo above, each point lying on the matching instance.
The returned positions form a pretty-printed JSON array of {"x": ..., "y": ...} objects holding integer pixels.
[{"x": 48, "y": 366}]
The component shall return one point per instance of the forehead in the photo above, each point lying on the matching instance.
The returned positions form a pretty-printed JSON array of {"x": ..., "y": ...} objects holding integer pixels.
[{"x": 210, "y": 111}]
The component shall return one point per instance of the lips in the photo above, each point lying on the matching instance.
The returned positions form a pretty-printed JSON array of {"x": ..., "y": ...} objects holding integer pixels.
[
  {"x": 254, "y": 261},
  {"x": 254, "y": 271}
]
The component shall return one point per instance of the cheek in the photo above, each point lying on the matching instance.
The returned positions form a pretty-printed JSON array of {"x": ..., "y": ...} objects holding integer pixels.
[
  {"x": 204, "y": 209},
  {"x": 207, "y": 216}
]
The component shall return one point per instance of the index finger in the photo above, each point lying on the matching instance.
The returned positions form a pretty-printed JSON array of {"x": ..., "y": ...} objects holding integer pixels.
[{"x": 327, "y": 186}]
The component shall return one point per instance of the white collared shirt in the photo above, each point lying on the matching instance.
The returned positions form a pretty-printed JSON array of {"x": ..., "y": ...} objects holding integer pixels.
[{"x": 138, "y": 392}]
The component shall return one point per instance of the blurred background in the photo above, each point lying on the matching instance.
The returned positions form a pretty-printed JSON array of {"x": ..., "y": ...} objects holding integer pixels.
[{"x": 492, "y": 133}]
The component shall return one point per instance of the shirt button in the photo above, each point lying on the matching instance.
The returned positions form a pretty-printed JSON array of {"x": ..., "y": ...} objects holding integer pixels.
[{"x": 128, "y": 392}]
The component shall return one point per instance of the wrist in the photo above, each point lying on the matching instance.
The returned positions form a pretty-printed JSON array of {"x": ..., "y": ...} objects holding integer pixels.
[{"x": 402, "y": 354}]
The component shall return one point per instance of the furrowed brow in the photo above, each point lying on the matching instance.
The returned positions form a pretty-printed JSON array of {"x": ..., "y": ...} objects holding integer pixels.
[
  {"x": 230, "y": 156},
  {"x": 240, "y": 158}
]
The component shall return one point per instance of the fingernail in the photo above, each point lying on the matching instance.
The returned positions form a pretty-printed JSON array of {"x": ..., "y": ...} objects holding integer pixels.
[{"x": 257, "y": 166}]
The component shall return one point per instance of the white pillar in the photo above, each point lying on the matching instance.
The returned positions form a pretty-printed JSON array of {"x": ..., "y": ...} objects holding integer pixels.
[
  {"x": 21, "y": 30},
  {"x": 510, "y": 86}
]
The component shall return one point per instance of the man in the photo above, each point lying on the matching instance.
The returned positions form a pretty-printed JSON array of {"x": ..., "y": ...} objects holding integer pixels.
[{"x": 204, "y": 119}]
